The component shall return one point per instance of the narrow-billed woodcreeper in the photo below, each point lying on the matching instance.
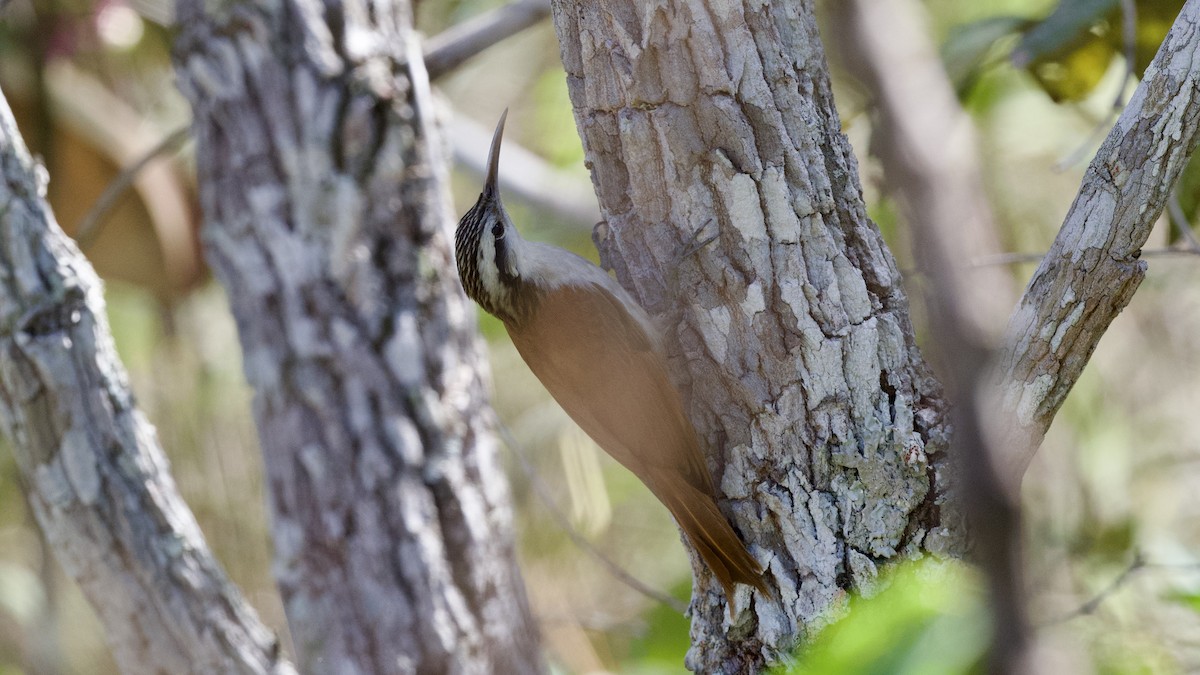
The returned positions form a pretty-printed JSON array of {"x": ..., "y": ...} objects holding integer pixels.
[{"x": 601, "y": 358}]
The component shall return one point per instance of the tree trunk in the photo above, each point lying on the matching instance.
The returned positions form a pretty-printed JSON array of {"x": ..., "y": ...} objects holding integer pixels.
[
  {"x": 791, "y": 331},
  {"x": 324, "y": 189},
  {"x": 93, "y": 471}
]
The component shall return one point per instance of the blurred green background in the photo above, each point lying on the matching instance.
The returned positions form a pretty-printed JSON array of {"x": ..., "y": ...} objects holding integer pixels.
[{"x": 1111, "y": 504}]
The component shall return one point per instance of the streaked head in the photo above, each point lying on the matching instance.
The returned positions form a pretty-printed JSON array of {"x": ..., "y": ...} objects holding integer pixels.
[{"x": 488, "y": 248}]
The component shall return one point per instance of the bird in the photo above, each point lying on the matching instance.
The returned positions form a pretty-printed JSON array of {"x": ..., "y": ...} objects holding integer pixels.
[{"x": 601, "y": 358}]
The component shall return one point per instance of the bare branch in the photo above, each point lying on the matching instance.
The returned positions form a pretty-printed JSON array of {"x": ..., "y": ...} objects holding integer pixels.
[
  {"x": 89, "y": 227},
  {"x": 1093, "y": 603},
  {"x": 121, "y": 134},
  {"x": 1138, "y": 564},
  {"x": 619, "y": 573},
  {"x": 527, "y": 177},
  {"x": 448, "y": 50},
  {"x": 1019, "y": 258},
  {"x": 1093, "y": 268}
]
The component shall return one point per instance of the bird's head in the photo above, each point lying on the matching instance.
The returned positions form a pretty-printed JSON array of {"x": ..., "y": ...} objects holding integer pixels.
[{"x": 489, "y": 250}]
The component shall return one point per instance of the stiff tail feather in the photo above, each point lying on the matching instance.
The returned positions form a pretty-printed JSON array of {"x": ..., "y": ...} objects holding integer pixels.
[{"x": 713, "y": 538}]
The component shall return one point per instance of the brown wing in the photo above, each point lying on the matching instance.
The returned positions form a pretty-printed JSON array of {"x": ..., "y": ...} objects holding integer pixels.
[{"x": 601, "y": 367}]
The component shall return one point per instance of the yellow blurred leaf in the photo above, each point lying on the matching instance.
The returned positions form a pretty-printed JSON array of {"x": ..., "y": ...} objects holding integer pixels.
[{"x": 1072, "y": 76}]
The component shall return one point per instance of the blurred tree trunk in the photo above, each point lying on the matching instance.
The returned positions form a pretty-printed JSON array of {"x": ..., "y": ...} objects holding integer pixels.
[
  {"x": 827, "y": 433},
  {"x": 324, "y": 187},
  {"x": 94, "y": 474}
]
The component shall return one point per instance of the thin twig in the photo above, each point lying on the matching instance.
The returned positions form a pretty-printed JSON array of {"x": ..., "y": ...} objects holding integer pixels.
[
  {"x": 526, "y": 176},
  {"x": 89, "y": 227},
  {"x": 1019, "y": 258},
  {"x": 449, "y": 49},
  {"x": 1095, "y": 601},
  {"x": 578, "y": 539},
  {"x": 1138, "y": 564},
  {"x": 1129, "y": 44},
  {"x": 443, "y": 53},
  {"x": 1180, "y": 220}
]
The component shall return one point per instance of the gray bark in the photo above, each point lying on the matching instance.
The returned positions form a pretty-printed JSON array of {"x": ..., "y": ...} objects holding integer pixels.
[
  {"x": 94, "y": 474},
  {"x": 1092, "y": 270},
  {"x": 324, "y": 189},
  {"x": 790, "y": 333}
]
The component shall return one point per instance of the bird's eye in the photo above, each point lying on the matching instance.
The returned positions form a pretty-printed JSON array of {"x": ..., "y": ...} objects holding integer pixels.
[{"x": 498, "y": 230}]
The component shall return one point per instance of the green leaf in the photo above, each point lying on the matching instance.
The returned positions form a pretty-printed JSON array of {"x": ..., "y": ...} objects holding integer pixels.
[
  {"x": 1154, "y": 19},
  {"x": 1069, "y": 51},
  {"x": 1189, "y": 599},
  {"x": 1075, "y": 74},
  {"x": 1067, "y": 28},
  {"x": 929, "y": 620},
  {"x": 967, "y": 48},
  {"x": 660, "y": 648}
]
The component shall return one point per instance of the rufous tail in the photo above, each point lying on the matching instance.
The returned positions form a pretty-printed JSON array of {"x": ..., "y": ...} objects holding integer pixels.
[{"x": 713, "y": 538}]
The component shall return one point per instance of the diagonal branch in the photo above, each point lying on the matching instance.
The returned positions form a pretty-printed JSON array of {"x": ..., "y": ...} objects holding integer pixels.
[
  {"x": 1093, "y": 603},
  {"x": 1093, "y": 268},
  {"x": 96, "y": 476},
  {"x": 449, "y": 49},
  {"x": 529, "y": 178},
  {"x": 88, "y": 228},
  {"x": 539, "y": 487}
]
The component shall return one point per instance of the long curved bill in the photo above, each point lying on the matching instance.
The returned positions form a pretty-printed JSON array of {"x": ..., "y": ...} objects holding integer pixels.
[{"x": 490, "y": 186}]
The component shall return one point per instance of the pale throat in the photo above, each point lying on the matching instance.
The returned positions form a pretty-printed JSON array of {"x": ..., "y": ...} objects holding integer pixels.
[{"x": 512, "y": 263}]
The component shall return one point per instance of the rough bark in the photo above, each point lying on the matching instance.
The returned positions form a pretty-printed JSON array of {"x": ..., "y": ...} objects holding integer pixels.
[
  {"x": 94, "y": 474},
  {"x": 1092, "y": 270},
  {"x": 323, "y": 185},
  {"x": 791, "y": 331}
]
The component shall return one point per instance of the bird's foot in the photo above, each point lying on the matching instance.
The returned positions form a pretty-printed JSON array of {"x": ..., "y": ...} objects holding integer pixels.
[{"x": 695, "y": 243}]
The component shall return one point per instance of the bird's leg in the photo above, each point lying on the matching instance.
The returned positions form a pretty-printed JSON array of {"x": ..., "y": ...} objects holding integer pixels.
[
  {"x": 695, "y": 243},
  {"x": 691, "y": 247},
  {"x": 670, "y": 321}
]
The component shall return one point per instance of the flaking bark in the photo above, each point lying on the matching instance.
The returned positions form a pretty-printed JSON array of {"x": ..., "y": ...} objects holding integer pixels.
[
  {"x": 327, "y": 219},
  {"x": 790, "y": 331},
  {"x": 1092, "y": 270},
  {"x": 94, "y": 474}
]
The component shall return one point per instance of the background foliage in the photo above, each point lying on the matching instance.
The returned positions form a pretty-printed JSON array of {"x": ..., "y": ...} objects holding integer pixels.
[{"x": 1111, "y": 514}]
